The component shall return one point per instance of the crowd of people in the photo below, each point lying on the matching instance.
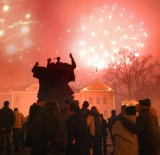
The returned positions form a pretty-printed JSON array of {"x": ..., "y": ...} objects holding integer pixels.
[
  {"x": 80, "y": 131},
  {"x": 135, "y": 131}
]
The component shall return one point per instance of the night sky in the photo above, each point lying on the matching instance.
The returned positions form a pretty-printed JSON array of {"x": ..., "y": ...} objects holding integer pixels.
[{"x": 92, "y": 30}]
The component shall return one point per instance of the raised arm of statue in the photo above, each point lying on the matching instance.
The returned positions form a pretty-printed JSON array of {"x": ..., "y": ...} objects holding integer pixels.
[
  {"x": 35, "y": 70},
  {"x": 73, "y": 63},
  {"x": 35, "y": 66},
  {"x": 37, "y": 63}
]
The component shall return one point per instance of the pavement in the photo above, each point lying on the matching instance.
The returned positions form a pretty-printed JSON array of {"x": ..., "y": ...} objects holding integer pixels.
[{"x": 26, "y": 150}]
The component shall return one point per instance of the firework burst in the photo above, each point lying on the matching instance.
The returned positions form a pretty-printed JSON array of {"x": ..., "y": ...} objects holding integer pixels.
[
  {"x": 14, "y": 30},
  {"x": 105, "y": 32}
]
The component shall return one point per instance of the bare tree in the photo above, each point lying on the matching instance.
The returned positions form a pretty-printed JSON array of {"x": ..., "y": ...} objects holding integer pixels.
[{"x": 133, "y": 73}]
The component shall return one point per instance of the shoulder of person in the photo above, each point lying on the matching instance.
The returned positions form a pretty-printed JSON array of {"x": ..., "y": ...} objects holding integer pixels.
[{"x": 11, "y": 110}]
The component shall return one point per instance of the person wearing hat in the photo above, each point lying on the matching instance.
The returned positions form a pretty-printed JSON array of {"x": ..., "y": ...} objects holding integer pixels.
[
  {"x": 152, "y": 109},
  {"x": 148, "y": 130},
  {"x": 126, "y": 142}
]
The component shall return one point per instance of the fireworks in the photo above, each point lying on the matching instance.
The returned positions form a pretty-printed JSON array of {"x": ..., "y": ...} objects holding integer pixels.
[
  {"x": 14, "y": 29},
  {"x": 35, "y": 32},
  {"x": 105, "y": 32}
]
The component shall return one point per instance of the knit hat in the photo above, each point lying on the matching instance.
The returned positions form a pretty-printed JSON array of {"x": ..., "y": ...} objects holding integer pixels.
[
  {"x": 145, "y": 102},
  {"x": 131, "y": 110}
]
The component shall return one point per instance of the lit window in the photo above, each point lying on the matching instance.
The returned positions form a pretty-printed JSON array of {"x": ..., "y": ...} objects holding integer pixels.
[{"x": 104, "y": 100}]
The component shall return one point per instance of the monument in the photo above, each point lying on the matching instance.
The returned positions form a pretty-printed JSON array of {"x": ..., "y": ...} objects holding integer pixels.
[{"x": 54, "y": 79}]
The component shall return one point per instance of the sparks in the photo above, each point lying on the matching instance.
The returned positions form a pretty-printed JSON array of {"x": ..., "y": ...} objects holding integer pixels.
[{"x": 105, "y": 32}]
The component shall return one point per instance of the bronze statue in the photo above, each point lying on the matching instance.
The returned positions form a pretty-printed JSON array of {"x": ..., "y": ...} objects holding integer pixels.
[{"x": 54, "y": 79}]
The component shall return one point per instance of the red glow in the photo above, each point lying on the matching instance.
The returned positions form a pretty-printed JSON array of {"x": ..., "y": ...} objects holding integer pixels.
[{"x": 82, "y": 27}]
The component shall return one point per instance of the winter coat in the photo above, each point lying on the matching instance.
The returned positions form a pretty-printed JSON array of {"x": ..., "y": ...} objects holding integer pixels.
[
  {"x": 48, "y": 133},
  {"x": 19, "y": 120},
  {"x": 126, "y": 143},
  {"x": 78, "y": 136},
  {"x": 154, "y": 112},
  {"x": 148, "y": 133},
  {"x": 95, "y": 124},
  {"x": 7, "y": 118}
]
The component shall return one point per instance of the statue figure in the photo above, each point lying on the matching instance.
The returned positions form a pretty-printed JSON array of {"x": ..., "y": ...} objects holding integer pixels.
[{"x": 54, "y": 79}]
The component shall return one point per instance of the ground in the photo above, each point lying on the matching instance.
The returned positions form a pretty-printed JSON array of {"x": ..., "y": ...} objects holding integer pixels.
[{"x": 26, "y": 151}]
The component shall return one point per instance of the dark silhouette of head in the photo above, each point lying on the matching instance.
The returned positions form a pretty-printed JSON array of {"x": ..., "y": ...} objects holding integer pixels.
[
  {"x": 148, "y": 101},
  {"x": 15, "y": 109},
  {"x": 94, "y": 110},
  {"x": 131, "y": 110},
  {"x": 101, "y": 115},
  {"x": 85, "y": 104},
  {"x": 113, "y": 112},
  {"x": 123, "y": 109},
  {"x": 6, "y": 103},
  {"x": 145, "y": 103}
]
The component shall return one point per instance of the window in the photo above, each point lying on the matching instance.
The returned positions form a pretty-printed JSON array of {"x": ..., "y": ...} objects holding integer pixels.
[
  {"x": 97, "y": 100},
  {"x": 90, "y": 100},
  {"x": 104, "y": 100}
]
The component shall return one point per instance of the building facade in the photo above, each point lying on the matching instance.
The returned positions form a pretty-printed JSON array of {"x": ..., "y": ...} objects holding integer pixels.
[
  {"x": 21, "y": 99},
  {"x": 97, "y": 94}
]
